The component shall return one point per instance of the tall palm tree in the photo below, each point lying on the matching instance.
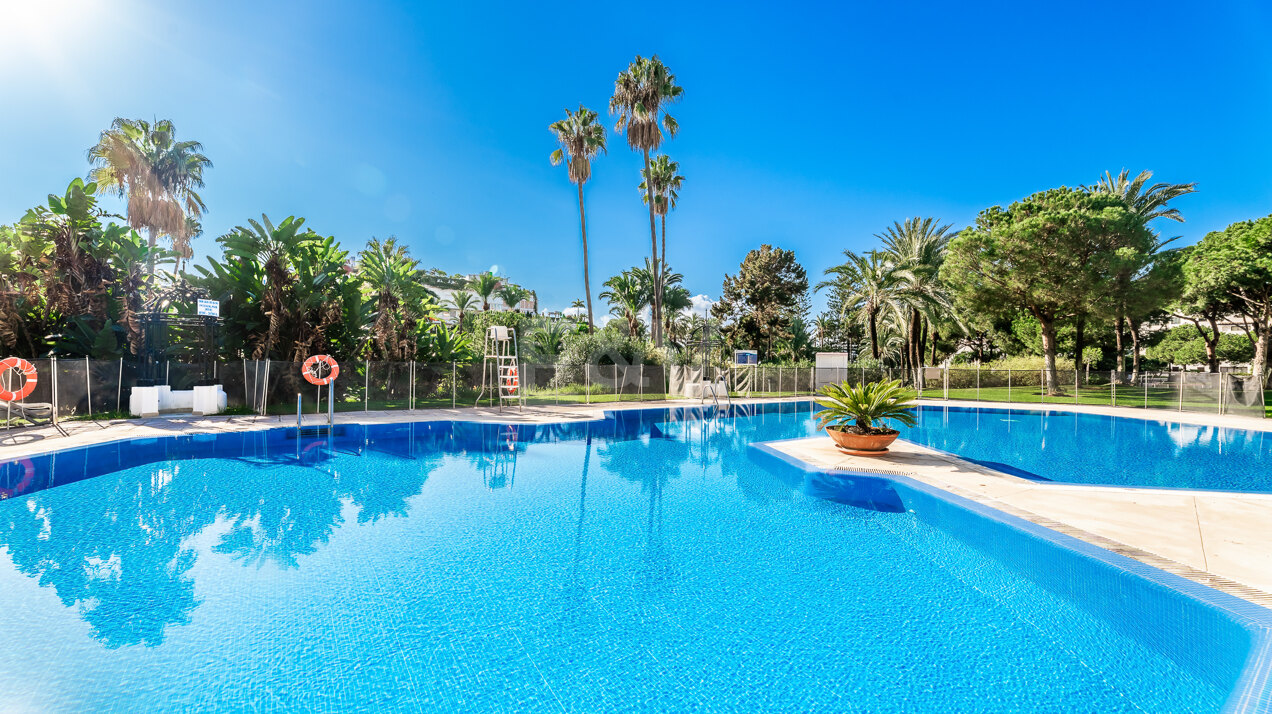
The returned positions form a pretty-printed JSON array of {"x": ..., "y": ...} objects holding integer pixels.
[
  {"x": 158, "y": 175},
  {"x": 868, "y": 286},
  {"x": 581, "y": 138},
  {"x": 627, "y": 295},
  {"x": 1146, "y": 203},
  {"x": 484, "y": 286},
  {"x": 666, "y": 183},
  {"x": 639, "y": 94},
  {"x": 462, "y": 301}
]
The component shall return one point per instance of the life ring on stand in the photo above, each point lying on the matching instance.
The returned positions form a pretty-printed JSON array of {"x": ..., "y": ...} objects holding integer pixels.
[
  {"x": 27, "y": 478},
  {"x": 512, "y": 378},
  {"x": 28, "y": 371},
  {"x": 310, "y": 373}
]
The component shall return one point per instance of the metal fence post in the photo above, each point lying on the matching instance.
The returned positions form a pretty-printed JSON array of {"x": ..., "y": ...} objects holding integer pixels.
[
  {"x": 1221, "y": 391},
  {"x": 978, "y": 381},
  {"x": 1042, "y": 380},
  {"x": 587, "y": 384},
  {"x": 119, "y": 389},
  {"x": 1181, "y": 389},
  {"x": 947, "y": 382},
  {"x": 1009, "y": 385},
  {"x": 1145, "y": 378},
  {"x": 88, "y": 388},
  {"x": 641, "y": 385},
  {"x": 366, "y": 385},
  {"x": 1113, "y": 377},
  {"x": 412, "y": 390},
  {"x": 53, "y": 369},
  {"x": 264, "y": 389}
]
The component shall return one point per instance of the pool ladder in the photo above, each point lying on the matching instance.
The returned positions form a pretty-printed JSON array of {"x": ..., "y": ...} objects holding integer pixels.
[{"x": 715, "y": 392}]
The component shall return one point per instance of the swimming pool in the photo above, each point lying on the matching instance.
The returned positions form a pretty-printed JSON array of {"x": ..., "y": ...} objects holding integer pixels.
[{"x": 651, "y": 560}]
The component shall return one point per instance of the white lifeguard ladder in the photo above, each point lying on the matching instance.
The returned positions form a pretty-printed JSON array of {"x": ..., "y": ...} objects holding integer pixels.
[{"x": 503, "y": 363}]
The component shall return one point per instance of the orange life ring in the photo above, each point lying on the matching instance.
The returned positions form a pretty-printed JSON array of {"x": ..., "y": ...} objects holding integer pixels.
[
  {"x": 27, "y": 478},
  {"x": 27, "y": 369},
  {"x": 311, "y": 376},
  {"x": 512, "y": 378}
]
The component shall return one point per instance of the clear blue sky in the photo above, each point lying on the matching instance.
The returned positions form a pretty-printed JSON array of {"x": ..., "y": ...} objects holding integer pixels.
[{"x": 809, "y": 127}]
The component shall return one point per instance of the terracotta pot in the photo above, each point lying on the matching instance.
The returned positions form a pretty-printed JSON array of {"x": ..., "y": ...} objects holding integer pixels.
[{"x": 862, "y": 444}]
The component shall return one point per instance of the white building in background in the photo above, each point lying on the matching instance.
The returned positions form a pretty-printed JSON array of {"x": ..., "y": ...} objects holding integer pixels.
[
  {"x": 1230, "y": 325},
  {"x": 449, "y": 314}
]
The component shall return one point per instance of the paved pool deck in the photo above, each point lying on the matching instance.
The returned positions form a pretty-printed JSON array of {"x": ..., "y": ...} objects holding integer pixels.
[{"x": 1220, "y": 539}]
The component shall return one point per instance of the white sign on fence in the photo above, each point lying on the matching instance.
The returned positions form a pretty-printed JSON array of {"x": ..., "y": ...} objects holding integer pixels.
[{"x": 209, "y": 308}]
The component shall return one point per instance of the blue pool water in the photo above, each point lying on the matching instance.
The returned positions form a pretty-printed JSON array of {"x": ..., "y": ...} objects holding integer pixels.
[
  {"x": 1100, "y": 449},
  {"x": 654, "y": 560}
]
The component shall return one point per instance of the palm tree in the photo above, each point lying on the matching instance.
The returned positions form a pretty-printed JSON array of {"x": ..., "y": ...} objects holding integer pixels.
[
  {"x": 675, "y": 298},
  {"x": 627, "y": 295},
  {"x": 484, "y": 286},
  {"x": 581, "y": 138},
  {"x": 917, "y": 248},
  {"x": 462, "y": 301},
  {"x": 823, "y": 327},
  {"x": 513, "y": 295},
  {"x": 1147, "y": 204},
  {"x": 391, "y": 275},
  {"x": 158, "y": 176},
  {"x": 867, "y": 285},
  {"x": 666, "y": 183},
  {"x": 639, "y": 94}
]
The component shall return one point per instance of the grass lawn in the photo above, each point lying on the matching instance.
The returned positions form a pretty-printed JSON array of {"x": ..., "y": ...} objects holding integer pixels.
[{"x": 1099, "y": 395}]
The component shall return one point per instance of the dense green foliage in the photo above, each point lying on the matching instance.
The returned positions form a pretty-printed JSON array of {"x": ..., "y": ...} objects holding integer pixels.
[
  {"x": 1236, "y": 264},
  {"x": 1053, "y": 255},
  {"x": 759, "y": 306}
]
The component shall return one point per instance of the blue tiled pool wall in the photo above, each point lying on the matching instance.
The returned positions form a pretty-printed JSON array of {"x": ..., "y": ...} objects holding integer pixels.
[
  {"x": 1218, "y": 638},
  {"x": 1213, "y": 639}
]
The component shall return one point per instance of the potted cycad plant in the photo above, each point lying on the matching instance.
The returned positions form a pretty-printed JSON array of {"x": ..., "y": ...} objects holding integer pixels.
[{"x": 853, "y": 416}]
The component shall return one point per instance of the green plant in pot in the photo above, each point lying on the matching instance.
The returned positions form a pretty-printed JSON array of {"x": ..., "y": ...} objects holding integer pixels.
[{"x": 854, "y": 416}]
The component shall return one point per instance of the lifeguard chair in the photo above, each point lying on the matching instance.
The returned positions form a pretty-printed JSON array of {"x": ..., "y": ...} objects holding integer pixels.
[{"x": 501, "y": 368}]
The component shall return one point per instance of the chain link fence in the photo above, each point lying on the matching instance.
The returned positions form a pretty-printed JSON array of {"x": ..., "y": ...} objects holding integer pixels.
[{"x": 86, "y": 388}]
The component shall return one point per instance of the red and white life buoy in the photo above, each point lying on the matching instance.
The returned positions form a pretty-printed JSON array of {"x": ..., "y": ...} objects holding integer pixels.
[
  {"x": 512, "y": 378},
  {"x": 28, "y": 371},
  {"x": 27, "y": 477},
  {"x": 309, "y": 370}
]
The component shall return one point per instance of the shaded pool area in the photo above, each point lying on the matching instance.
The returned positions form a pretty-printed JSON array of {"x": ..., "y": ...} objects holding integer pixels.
[{"x": 651, "y": 560}]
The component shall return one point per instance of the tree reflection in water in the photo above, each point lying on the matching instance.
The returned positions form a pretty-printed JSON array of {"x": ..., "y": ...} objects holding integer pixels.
[
  {"x": 126, "y": 532},
  {"x": 121, "y": 539}
]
